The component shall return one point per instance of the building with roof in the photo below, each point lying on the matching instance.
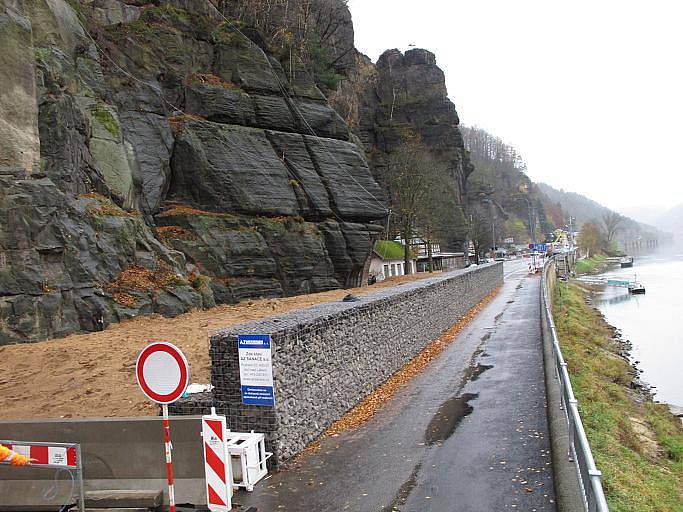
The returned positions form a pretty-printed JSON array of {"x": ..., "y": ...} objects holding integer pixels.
[{"x": 387, "y": 260}]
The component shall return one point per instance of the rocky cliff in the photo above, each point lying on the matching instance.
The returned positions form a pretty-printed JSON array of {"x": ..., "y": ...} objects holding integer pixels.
[
  {"x": 403, "y": 97},
  {"x": 156, "y": 158},
  {"x": 162, "y": 156}
]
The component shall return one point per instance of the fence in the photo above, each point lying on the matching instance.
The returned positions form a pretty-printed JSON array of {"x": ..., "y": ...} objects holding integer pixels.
[{"x": 578, "y": 449}]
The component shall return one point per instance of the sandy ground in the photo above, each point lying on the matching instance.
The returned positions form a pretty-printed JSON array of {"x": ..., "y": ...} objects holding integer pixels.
[{"x": 91, "y": 375}]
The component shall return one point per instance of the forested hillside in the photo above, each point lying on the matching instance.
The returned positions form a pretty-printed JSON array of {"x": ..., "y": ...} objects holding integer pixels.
[
  {"x": 628, "y": 234},
  {"x": 503, "y": 201}
]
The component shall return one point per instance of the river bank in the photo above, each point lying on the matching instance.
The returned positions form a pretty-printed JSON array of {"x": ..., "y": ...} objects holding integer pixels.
[
  {"x": 649, "y": 321},
  {"x": 594, "y": 265},
  {"x": 637, "y": 443}
]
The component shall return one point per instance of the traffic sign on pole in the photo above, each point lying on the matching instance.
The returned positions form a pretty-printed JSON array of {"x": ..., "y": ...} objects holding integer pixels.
[{"x": 163, "y": 375}]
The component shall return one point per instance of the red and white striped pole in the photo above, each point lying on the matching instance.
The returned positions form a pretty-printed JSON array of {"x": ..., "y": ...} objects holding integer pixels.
[
  {"x": 163, "y": 375},
  {"x": 169, "y": 463}
]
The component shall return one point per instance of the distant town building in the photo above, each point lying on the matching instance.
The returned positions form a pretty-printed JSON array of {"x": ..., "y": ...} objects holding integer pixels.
[{"x": 442, "y": 260}]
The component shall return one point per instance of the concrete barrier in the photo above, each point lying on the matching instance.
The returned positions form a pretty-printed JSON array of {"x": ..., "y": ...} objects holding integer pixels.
[{"x": 118, "y": 454}]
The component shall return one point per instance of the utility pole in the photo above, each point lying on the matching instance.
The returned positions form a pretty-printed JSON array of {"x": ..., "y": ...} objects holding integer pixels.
[{"x": 532, "y": 227}]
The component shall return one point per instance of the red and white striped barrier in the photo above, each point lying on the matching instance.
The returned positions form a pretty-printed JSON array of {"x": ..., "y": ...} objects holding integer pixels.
[
  {"x": 46, "y": 455},
  {"x": 217, "y": 466},
  {"x": 65, "y": 456}
]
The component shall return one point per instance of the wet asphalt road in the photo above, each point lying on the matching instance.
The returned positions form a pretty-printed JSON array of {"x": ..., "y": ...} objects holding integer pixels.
[{"x": 469, "y": 434}]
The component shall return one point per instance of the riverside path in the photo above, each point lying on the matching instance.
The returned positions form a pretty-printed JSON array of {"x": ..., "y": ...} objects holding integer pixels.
[{"x": 468, "y": 434}]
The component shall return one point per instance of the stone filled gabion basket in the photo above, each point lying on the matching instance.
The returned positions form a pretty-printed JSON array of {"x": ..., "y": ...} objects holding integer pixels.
[{"x": 328, "y": 357}]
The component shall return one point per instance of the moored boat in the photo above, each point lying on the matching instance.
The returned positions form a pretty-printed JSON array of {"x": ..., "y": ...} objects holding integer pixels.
[
  {"x": 626, "y": 262},
  {"x": 636, "y": 288}
]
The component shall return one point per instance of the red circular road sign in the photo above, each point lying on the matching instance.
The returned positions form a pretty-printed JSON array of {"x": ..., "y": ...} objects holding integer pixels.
[{"x": 162, "y": 372}]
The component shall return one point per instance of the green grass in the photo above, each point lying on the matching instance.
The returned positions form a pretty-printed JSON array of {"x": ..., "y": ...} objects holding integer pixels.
[
  {"x": 390, "y": 250},
  {"x": 592, "y": 264},
  {"x": 636, "y": 478}
]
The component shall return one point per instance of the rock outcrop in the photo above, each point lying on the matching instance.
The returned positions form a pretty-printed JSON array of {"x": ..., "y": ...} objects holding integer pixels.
[
  {"x": 179, "y": 167},
  {"x": 18, "y": 102},
  {"x": 403, "y": 97},
  {"x": 157, "y": 157}
]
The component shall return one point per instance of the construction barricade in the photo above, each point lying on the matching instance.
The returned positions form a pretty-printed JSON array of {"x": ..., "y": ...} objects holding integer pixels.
[{"x": 60, "y": 456}]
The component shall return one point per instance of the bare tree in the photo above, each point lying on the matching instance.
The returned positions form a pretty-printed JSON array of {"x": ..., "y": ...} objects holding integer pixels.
[
  {"x": 480, "y": 233},
  {"x": 407, "y": 178},
  {"x": 612, "y": 223}
]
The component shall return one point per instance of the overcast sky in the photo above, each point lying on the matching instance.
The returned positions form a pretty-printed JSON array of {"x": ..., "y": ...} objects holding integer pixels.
[{"x": 589, "y": 92}]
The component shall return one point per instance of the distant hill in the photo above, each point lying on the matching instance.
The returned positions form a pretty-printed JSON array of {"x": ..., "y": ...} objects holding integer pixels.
[
  {"x": 647, "y": 214},
  {"x": 672, "y": 220},
  {"x": 501, "y": 193},
  {"x": 634, "y": 236},
  {"x": 581, "y": 207}
]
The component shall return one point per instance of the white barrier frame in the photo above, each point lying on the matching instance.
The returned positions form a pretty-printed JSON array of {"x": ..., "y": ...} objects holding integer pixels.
[{"x": 238, "y": 444}]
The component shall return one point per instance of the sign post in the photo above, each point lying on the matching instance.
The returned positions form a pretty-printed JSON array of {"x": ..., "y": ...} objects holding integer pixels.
[
  {"x": 163, "y": 375},
  {"x": 256, "y": 369}
]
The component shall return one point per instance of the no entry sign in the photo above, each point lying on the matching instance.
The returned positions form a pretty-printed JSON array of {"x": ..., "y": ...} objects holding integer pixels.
[
  {"x": 162, "y": 372},
  {"x": 163, "y": 375}
]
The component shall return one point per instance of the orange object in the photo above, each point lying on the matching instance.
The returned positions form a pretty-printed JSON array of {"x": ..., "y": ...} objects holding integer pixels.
[{"x": 12, "y": 457}]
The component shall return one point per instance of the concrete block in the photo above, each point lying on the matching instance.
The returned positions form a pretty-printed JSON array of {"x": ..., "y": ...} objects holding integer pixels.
[{"x": 122, "y": 499}]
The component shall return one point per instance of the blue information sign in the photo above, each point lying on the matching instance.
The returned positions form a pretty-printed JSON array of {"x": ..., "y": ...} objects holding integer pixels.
[{"x": 256, "y": 369}]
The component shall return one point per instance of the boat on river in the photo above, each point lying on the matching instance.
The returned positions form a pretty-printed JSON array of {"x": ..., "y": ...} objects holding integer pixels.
[
  {"x": 636, "y": 288},
  {"x": 626, "y": 262}
]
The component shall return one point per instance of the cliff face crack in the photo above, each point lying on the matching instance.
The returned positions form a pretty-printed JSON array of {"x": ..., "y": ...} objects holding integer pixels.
[{"x": 448, "y": 417}]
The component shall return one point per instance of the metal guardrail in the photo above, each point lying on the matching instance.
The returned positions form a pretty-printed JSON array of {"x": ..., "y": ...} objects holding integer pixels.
[{"x": 590, "y": 477}]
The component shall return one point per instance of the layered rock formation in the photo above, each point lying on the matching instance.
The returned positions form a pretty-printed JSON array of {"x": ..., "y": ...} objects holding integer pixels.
[
  {"x": 179, "y": 167},
  {"x": 157, "y": 157},
  {"x": 400, "y": 98}
]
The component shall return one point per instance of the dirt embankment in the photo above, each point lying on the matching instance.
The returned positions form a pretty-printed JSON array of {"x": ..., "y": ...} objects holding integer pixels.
[{"x": 89, "y": 375}]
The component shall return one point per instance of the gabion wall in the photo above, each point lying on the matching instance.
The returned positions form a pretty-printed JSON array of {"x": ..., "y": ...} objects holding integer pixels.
[{"x": 327, "y": 357}]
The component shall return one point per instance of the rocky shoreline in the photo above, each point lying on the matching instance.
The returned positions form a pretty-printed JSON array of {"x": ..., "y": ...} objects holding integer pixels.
[{"x": 641, "y": 390}]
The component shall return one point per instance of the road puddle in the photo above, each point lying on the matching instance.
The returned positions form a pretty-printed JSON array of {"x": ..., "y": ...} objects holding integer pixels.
[
  {"x": 448, "y": 417},
  {"x": 404, "y": 491}
]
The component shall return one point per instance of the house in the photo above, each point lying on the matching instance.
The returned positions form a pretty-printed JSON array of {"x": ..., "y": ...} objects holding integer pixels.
[
  {"x": 386, "y": 260},
  {"x": 442, "y": 260}
]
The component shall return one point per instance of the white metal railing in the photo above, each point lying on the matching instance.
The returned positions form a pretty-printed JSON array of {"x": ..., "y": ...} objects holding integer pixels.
[{"x": 580, "y": 453}]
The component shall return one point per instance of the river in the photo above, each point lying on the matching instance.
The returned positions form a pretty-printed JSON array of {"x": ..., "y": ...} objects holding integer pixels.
[{"x": 652, "y": 322}]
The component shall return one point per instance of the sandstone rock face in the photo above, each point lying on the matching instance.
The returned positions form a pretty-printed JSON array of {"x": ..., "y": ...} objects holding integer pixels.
[
  {"x": 70, "y": 264},
  {"x": 405, "y": 95},
  {"x": 179, "y": 168},
  {"x": 18, "y": 104}
]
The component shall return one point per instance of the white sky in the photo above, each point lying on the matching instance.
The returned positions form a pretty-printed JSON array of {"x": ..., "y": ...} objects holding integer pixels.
[{"x": 589, "y": 92}]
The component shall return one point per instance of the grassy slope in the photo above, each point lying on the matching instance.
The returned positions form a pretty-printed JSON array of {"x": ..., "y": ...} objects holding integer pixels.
[
  {"x": 591, "y": 264},
  {"x": 638, "y": 475}
]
